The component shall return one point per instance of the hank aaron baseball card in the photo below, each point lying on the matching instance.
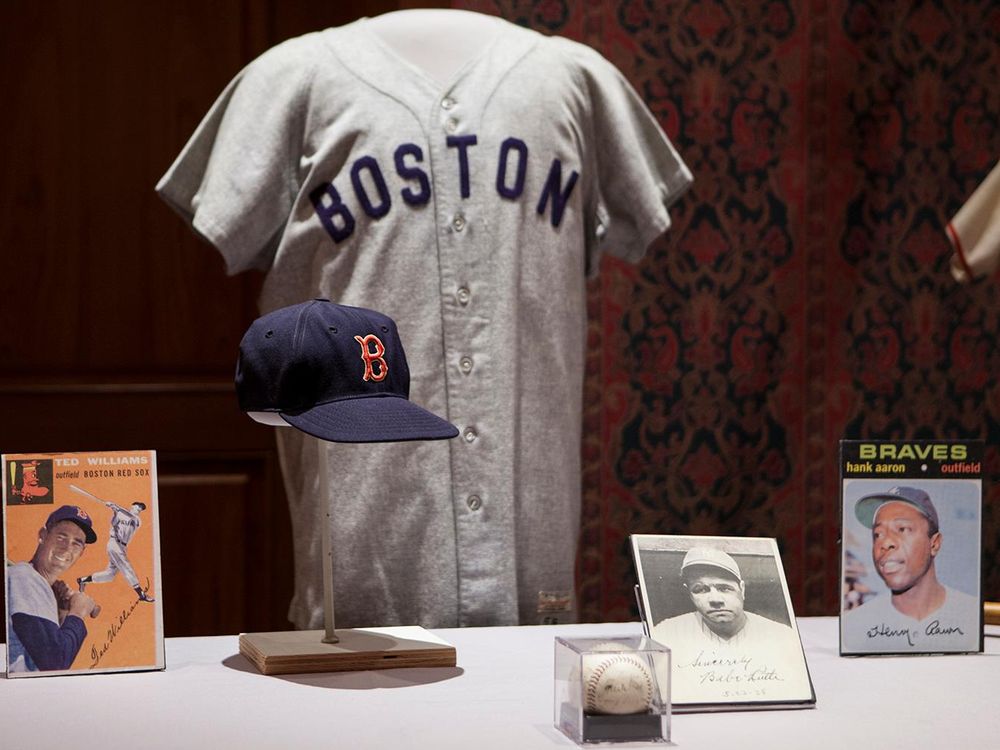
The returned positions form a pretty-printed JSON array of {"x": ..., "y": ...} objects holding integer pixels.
[
  {"x": 721, "y": 605},
  {"x": 82, "y": 572},
  {"x": 911, "y": 557}
]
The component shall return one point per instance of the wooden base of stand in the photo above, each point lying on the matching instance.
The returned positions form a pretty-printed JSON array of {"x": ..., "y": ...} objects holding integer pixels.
[
  {"x": 991, "y": 611},
  {"x": 300, "y": 651}
]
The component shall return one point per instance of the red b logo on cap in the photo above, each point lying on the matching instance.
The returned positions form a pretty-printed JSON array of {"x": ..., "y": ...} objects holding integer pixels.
[{"x": 370, "y": 356}]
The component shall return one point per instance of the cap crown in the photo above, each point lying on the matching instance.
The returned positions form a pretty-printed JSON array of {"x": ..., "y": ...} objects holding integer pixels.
[
  {"x": 318, "y": 352},
  {"x": 709, "y": 557},
  {"x": 76, "y": 515},
  {"x": 868, "y": 506}
]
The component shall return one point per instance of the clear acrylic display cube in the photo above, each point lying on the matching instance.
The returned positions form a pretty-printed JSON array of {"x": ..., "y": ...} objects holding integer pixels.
[{"x": 612, "y": 689}]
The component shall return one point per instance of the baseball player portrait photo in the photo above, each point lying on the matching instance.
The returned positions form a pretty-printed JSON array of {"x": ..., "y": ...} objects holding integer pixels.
[
  {"x": 56, "y": 622},
  {"x": 722, "y": 607},
  {"x": 46, "y": 621},
  {"x": 920, "y": 593},
  {"x": 125, "y": 522}
]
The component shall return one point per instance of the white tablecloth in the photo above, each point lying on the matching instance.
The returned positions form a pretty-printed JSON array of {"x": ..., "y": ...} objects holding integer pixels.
[{"x": 499, "y": 696}]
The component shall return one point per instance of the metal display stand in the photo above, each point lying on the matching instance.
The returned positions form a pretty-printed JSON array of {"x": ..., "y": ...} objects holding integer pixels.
[{"x": 346, "y": 649}]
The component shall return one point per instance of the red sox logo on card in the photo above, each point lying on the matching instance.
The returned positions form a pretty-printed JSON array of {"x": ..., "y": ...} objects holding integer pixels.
[{"x": 370, "y": 357}]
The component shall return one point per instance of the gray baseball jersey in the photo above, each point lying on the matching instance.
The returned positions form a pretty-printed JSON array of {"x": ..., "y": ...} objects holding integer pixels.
[
  {"x": 471, "y": 214},
  {"x": 124, "y": 524}
]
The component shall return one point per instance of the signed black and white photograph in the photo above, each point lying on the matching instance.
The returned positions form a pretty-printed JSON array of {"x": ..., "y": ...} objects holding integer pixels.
[
  {"x": 911, "y": 566},
  {"x": 721, "y": 605}
]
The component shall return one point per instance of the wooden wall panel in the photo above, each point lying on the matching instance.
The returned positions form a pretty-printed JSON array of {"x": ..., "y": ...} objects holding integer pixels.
[
  {"x": 225, "y": 569},
  {"x": 225, "y": 534},
  {"x": 97, "y": 280},
  {"x": 118, "y": 327}
]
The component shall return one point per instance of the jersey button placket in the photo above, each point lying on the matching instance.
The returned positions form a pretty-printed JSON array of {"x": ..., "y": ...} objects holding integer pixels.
[{"x": 468, "y": 364}]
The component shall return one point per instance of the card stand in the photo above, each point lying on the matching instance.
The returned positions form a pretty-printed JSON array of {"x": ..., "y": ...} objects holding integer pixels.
[{"x": 611, "y": 690}]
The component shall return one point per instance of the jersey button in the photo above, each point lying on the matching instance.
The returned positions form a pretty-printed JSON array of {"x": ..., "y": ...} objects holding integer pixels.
[
  {"x": 447, "y": 103},
  {"x": 458, "y": 222},
  {"x": 464, "y": 296},
  {"x": 470, "y": 434},
  {"x": 451, "y": 125},
  {"x": 465, "y": 365},
  {"x": 474, "y": 502}
]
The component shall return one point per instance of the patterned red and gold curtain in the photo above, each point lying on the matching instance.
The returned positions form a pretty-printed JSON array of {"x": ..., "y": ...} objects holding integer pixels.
[{"x": 802, "y": 295}]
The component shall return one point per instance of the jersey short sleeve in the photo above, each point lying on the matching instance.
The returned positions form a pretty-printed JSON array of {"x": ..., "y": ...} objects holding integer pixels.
[
  {"x": 639, "y": 172},
  {"x": 235, "y": 181},
  {"x": 974, "y": 231}
]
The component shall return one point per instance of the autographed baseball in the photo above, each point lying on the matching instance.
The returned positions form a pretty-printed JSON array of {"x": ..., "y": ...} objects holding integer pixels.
[{"x": 616, "y": 683}]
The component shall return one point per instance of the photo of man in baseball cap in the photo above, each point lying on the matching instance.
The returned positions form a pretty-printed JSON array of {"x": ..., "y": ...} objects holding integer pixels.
[
  {"x": 46, "y": 623},
  {"x": 721, "y": 605},
  {"x": 715, "y": 586},
  {"x": 917, "y": 612}
]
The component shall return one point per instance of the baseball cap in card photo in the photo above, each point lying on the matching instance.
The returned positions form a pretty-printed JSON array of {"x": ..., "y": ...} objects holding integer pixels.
[
  {"x": 868, "y": 506},
  {"x": 76, "y": 515},
  {"x": 709, "y": 557},
  {"x": 335, "y": 372}
]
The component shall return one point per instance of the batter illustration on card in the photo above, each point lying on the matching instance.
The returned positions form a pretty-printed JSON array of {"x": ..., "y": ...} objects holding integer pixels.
[
  {"x": 63, "y": 543},
  {"x": 721, "y": 605},
  {"x": 125, "y": 523}
]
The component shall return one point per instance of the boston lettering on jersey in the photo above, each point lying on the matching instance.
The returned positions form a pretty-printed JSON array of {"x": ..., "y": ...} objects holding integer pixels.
[{"x": 375, "y": 198}]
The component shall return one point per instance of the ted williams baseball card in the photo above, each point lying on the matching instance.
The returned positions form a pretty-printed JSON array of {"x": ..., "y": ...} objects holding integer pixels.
[
  {"x": 82, "y": 573},
  {"x": 911, "y": 558},
  {"x": 721, "y": 605}
]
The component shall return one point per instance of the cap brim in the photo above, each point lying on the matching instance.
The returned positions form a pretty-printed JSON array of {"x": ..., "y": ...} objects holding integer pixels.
[
  {"x": 711, "y": 565},
  {"x": 88, "y": 533},
  {"x": 374, "y": 419}
]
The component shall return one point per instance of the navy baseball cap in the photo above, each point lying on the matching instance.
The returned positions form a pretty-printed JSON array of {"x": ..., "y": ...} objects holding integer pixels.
[
  {"x": 867, "y": 507},
  {"x": 336, "y": 372},
  {"x": 77, "y": 516}
]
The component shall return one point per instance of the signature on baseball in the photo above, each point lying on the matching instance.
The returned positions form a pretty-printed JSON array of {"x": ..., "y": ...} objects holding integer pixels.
[{"x": 616, "y": 681}]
